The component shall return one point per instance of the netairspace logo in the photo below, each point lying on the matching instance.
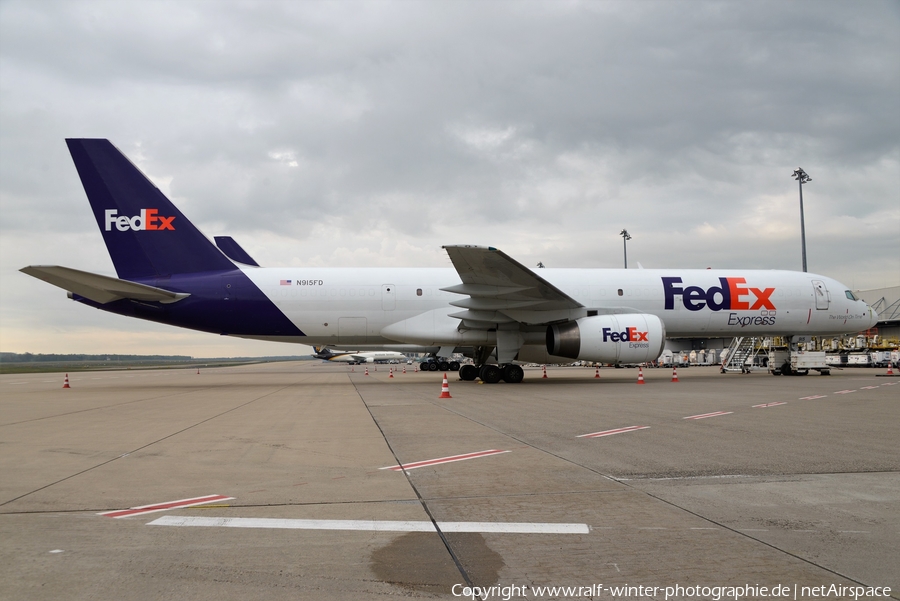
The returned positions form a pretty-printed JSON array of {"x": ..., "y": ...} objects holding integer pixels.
[{"x": 626, "y": 591}]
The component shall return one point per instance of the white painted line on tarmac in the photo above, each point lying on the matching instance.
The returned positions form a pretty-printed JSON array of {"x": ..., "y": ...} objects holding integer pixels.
[
  {"x": 611, "y": 432},
  {"x": 440, "y": 460},
  {"x": 814, "y": 397},
  {"x": 514, "y": 527},
  {"x": 705, "y": 415},
  {"x": 844, "y": 391},
  {"x": 373, "y": 525},
  {"x": 122, "y": 513},
  {"x": 764, "y": 405},
  {"x": 868, "y": 387}
]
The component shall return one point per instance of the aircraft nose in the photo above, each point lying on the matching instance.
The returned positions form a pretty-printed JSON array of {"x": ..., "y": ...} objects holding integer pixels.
[{"x": 873, "y": 316}]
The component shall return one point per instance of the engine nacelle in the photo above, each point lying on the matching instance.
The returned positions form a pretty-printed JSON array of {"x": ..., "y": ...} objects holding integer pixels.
[{"x": 628, "y": 338}]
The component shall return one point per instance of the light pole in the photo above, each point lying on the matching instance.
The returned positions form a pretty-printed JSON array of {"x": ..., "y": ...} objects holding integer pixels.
[
  {"x": 802, "y": 178},
  {"x": 625, "y": 238}
]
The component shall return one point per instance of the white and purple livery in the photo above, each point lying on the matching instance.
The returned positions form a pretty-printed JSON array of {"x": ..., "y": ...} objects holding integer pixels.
[{"x": 488, "y": 306}]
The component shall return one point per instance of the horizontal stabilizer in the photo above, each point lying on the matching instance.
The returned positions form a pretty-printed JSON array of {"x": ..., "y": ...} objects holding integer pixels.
[{"x": 100, "y": 288}]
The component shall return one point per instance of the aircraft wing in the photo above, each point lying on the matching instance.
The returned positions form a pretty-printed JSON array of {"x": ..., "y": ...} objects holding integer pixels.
[
  {"x": 500, "y": 289},
  {"x": 100, "y": 288}
]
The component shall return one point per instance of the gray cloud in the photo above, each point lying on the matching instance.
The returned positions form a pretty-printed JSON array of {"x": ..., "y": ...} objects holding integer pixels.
[{"x": 372, "y": 133}]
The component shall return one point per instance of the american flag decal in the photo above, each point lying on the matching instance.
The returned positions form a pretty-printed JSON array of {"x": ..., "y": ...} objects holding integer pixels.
[{"x": 285, "y": 282}]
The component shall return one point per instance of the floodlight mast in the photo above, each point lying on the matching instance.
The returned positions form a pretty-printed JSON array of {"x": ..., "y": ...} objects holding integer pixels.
[
  {"x": 625, "y": 238},
  {"x": 802, "y": 178}
]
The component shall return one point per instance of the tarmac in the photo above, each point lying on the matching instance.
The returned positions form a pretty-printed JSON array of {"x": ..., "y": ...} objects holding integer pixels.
[{"x": 275, "y": 481}]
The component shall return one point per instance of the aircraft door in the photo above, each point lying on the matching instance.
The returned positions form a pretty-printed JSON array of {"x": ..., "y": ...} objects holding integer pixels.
[
  {"x": 388, "y": 297},
  {"x": 821, "y": 293}
]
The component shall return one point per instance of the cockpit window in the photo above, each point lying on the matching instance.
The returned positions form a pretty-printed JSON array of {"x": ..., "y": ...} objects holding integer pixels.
[{"x": 850, "y": 295}]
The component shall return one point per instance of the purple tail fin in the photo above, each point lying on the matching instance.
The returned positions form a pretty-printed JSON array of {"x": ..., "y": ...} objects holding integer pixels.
[{"x": 145, "y": 234}]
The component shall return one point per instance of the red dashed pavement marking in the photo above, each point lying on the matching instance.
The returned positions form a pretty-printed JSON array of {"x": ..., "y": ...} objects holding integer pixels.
[
  {"x": 611, "y": 432},
  {"x": 705, "y": 415},
  {"x": 164, "y": 506},
  {"x": 411, "y": 466}
]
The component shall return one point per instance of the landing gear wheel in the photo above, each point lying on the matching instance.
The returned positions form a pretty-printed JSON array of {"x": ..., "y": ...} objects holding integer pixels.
[
  {"x": 513, "y": 374},
  {"x": 454, "y": 366},
  {"x": 786, "y": 369},
  {"x": 444, "y": 365},
  {"x": 432, "y": 366},
  {"x": 491, "y": 374},
  {"x": 468, "y": 373}
]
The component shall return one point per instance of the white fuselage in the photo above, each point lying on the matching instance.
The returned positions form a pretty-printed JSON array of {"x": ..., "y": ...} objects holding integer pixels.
[{"x": 353, "y": 306}]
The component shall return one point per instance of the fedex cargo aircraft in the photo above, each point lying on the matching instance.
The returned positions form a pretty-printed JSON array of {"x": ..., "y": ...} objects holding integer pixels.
[{"x": 488, "y": 306}]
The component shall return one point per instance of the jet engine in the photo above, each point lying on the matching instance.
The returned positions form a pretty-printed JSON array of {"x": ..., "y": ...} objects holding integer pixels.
[{"x": 627, "y": 338}]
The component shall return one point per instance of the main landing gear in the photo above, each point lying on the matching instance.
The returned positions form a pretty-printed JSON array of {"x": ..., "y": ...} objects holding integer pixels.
[
  {"x": 491, "y": 374},
  {"x": 439, "y": 364}
]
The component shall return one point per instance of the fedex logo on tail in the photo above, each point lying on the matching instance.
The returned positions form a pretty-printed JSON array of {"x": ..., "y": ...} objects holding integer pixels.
[
  {"x": 148, "y": 219},
  {"x": 733, "y": 294}
]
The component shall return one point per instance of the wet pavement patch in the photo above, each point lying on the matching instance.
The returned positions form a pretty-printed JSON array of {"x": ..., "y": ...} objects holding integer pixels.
[{"x": 420, "y": 561}]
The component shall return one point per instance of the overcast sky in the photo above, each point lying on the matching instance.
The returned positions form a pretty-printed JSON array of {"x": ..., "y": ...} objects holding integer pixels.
[{"x": 370, "y": 134}]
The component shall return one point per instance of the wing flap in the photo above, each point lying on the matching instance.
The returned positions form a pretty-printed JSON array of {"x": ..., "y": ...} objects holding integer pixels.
[
  {"x": 100, "y": 288},
  {"x": 484, "y": 290}
]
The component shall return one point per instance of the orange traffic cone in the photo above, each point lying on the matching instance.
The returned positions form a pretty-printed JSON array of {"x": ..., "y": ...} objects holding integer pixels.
[
  {"x": 640, "y": 375},
  {"x": 545, "y": 371},
  {"x": 367, "y": 370},
  {"x": 674, "y": 374},
  {"x": 66, "y": 382},
  {"x": 890, "y": 370},
  {"x": 597, "y": 373},
  {"x": 352, "y": 368},
  {"x": 416, "y": 368},
  {"x": 445, "y": 389},
  {"x": 404, "y": 369},
  {"x": 392, "y": 373}
]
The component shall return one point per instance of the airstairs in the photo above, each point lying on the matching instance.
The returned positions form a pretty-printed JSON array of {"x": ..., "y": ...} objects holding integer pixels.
[{"x": 742, "y": 348}]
